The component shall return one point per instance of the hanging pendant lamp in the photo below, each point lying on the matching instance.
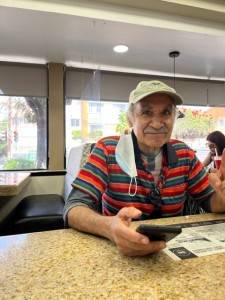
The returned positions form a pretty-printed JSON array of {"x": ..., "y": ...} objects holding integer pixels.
[{"x": 174, "y": 55}]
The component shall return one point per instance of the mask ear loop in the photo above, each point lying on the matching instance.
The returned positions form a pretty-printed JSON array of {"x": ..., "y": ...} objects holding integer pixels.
[{"x": 135, "y": 180}]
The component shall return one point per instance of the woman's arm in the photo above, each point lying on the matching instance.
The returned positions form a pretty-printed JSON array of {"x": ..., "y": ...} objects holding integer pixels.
[{"x": 207, "y": 160}]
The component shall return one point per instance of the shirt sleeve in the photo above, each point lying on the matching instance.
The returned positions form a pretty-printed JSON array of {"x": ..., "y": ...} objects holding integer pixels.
[{"x": 78, "y": 198}]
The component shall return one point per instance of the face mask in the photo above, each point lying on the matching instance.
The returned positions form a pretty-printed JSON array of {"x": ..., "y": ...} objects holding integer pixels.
[{"x": 126, "y": 159}]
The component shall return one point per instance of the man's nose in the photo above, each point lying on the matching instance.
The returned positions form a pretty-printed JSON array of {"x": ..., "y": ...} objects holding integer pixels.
[{"x": 156, "y": 122}]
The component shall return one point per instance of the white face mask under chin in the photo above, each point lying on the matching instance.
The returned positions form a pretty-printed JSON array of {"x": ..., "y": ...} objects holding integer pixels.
[{"x": 126, "y": 159}]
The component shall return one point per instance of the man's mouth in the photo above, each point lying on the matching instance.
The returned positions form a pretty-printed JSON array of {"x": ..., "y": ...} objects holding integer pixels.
[{"x": 156, "y": 131}]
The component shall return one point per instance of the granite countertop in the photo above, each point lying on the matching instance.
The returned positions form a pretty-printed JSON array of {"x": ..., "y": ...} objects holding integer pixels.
[
  {"x": 11, "y": 183},
  {"x": 66, "y": 264}
]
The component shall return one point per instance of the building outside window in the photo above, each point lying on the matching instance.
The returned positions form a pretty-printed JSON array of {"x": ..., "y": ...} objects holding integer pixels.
[{"x": 96, "y": 120}]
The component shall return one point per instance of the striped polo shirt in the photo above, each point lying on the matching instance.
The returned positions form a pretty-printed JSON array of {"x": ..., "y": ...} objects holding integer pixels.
[{"x": 182, "y": 174}]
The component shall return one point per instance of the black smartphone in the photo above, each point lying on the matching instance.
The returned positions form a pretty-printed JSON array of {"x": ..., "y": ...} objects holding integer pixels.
[{"x": 159, "y": 232}]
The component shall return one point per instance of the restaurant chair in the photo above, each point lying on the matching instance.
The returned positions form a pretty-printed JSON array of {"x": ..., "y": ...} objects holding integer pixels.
[{"x": 38, "y": 213}]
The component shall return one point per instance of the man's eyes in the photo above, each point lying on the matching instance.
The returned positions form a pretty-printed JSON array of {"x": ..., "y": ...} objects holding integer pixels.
[
  {"x": 150, "y": 113},
  {"x": 166, "y": 113},
  {"x": 147, "y": 113}
]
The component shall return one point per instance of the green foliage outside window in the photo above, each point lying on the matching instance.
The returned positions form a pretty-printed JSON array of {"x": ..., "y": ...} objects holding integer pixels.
[
  {"x": 76, "y": 134},
  {"x": 19, "y": 164},
  {"x": 195, "y": 124},
  {"x": 96, "y": 135},
  {"x": 122, "y": 122}
]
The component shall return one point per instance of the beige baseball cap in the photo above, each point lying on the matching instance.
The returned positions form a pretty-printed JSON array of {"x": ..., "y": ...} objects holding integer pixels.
[{"x": 146, "y": 88}]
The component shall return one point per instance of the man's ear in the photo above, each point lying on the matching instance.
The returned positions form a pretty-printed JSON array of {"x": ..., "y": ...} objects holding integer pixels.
[{"x": 129, "y": 121}]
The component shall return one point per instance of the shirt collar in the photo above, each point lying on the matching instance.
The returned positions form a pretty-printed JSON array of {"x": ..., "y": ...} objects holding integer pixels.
[{"x": 168, "y": 151}]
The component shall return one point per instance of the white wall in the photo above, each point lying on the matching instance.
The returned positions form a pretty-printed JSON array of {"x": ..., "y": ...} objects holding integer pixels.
[{"x": 44, "y": 185}]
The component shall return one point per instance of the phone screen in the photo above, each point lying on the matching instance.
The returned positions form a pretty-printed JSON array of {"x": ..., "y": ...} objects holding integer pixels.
[{"x": 159, "y": 232}]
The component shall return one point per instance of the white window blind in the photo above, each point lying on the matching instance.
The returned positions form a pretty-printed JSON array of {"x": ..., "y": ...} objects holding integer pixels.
[{"x": 117, "y": 87}]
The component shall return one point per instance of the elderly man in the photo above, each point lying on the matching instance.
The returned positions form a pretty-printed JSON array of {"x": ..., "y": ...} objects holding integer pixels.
[{"x": 141, "y": 175}]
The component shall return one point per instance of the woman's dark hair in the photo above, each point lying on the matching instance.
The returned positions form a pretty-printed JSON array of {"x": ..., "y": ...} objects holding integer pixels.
[{"x": 217, "y": 138}]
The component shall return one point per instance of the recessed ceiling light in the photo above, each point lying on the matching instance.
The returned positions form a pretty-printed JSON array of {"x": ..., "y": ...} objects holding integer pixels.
[{"x": 120, "y": 48}]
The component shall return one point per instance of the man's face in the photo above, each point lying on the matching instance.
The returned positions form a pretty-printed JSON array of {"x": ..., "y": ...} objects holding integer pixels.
[{"x": 153, "y": 120}]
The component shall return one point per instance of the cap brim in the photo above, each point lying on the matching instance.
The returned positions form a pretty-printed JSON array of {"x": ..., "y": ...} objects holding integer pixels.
[{"x": 178, "y": 100}]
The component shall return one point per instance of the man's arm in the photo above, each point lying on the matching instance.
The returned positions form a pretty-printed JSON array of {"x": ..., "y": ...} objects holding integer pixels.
[
  {"x": 115, "y": 228},
  {"x": 85, "y": 219},
  {"x": 80, "y": 215},
  {"x": 78, "y": 198},
  {"x": 207, "y": 160}
]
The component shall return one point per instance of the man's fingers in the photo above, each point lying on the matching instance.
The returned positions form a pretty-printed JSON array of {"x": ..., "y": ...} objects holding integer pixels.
[
  {"x": 214, "y": 180},
  {"x": 140, "y": 250},
  {"x": 223, "y": 160},
  {"x": 127, "y": 213}
]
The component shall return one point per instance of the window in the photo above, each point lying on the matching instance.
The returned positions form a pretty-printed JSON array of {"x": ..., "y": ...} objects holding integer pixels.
[
  {"x": 75, "y": 122},
  {"x": 193, "y": 128},
  {"x": 112, "y": 96},
  {"x": 119, "y": 106},
  {"x": 23, "y": 116},
  {"x": 103, "y": 120},
  {"x": 197, "y": 123},
  {"x": 95, "y": 107},
  {"x": 23, "y": 120}
]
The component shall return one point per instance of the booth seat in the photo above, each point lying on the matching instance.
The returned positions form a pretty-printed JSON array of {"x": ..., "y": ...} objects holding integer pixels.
[{"x": 44, "y": 212}]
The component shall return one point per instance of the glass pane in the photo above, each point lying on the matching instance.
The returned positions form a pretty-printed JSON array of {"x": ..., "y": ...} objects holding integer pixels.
[
  {"x": 194, "y": 125},
  {"x": 23, "y": 133},
  {"x": 88, "y": 121}
]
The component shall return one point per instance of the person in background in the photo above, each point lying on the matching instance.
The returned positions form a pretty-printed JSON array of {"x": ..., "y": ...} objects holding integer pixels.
[
  {"x": 141, "y": 175},
  {"x": 215, "y": 143}
]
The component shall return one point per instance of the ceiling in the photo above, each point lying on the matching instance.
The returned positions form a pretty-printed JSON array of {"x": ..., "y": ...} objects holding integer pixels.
[{"x": 83, "y": 33}]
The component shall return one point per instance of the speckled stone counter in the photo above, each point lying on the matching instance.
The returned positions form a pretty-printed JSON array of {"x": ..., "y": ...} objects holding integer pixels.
[
  {"x": 11, "y": 183},
  {"x": 66, "y": 264}
]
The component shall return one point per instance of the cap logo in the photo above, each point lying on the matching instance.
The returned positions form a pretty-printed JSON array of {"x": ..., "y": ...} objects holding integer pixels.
[{"x": 155, "y": 86}]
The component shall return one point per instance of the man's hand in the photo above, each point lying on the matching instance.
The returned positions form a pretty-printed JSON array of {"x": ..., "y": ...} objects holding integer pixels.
[
  {"x": 217, "y": 181},
  {"x": 127, "y": 240}
]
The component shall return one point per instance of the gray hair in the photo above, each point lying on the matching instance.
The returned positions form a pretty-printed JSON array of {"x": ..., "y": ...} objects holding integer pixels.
[{"x": 130, "y": 111}]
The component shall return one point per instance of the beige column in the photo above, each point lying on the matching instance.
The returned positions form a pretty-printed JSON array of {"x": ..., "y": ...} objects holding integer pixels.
[{"x": 56, "y": 117}]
